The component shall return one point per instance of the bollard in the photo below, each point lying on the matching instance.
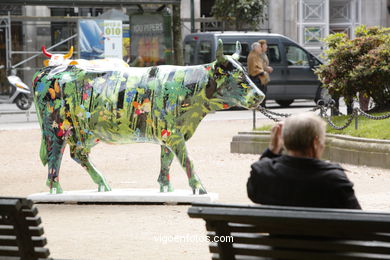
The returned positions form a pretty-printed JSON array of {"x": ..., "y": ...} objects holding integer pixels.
[
  {"x": 254, "y": 119},
  {"x": 357, "y": 121}
]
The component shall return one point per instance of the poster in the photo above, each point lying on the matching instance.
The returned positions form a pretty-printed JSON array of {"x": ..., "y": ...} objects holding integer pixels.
[
  {"x": 151, "y": 38},
  {"x": 100, "y": 39}
]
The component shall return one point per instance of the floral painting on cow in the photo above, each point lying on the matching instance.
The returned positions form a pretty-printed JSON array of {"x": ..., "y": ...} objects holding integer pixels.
[{"x": 161, "y": 104}]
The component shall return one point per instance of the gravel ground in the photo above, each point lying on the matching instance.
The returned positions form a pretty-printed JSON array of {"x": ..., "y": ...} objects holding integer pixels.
[{"x": 133, "y": 231}]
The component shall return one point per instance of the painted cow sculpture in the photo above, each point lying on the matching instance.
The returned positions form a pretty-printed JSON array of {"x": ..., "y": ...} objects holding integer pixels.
[
  {"x": 162, "y": 104},
  {"x": 56, "y": 59}
]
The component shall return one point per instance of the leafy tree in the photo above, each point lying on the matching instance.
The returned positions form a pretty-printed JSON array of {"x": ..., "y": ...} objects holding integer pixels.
[
  {"x": 241, "y": 12},
  {"x": 358, "y": 65}
]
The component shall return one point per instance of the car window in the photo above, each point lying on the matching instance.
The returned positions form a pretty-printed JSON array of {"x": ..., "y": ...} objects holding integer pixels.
[
  {"x": 189, "y": 52},
  {"x": 205, "y": 52},
  {"x": 296, "y": 56},
  {"x": 273, "y": 54},
  {"x": 230, "y": 48}
]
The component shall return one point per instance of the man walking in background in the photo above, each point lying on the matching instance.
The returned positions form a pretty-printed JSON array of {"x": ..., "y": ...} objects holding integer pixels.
[
  {"x": 255, "y": 67},
  {"x": 258, "y": 68},
  {"x": 265, "y": 61}
]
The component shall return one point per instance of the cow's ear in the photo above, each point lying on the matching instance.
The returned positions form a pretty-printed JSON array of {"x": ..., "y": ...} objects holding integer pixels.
[
  {"x": 211, "y": 88},
  {"x": 236, "y": 55},
  {"x": 220, "y": 56}
]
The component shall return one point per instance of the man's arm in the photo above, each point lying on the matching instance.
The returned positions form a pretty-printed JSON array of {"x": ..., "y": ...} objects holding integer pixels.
[
  {"x": 344, "y": 194},
  {"x": 274, "y": 150},
  {"x": 254, "y": 66}
]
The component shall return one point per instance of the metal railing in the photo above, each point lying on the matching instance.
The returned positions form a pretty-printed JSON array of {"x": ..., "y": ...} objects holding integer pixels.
[{"x": 323, "y": 107}]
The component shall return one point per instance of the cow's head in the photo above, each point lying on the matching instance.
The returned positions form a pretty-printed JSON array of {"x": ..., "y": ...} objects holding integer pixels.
[
  {"x": 230, "y": 82},
  {"x": 56, "y": 59}
]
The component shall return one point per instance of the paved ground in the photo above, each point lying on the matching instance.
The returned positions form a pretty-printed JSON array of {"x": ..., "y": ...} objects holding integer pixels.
[{"x": 133, "y": 231}]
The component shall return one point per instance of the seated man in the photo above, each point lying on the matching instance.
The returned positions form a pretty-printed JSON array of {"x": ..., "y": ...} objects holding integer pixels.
[{"x": 299, "y": 178}]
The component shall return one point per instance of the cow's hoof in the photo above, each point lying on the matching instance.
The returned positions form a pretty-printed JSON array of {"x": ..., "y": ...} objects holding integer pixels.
[
  {"x": 55, "y": 187},
  {"x": 103, "y": 188},
  {"x": 166, "y": 188},
  {"x": 199, "y": 191}
]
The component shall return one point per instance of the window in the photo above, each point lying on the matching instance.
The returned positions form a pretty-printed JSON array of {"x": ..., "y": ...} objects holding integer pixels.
[
  {"x": 205, "y": 52},
  {"x": 273, "y": 54},
  {"x": 313, "y": 10},
  {"x": 230, "y": 48},
  {"x": 296, "y": 56},
  {"x": 189, "y": 53},
  {"x": 313, "y": 35}
]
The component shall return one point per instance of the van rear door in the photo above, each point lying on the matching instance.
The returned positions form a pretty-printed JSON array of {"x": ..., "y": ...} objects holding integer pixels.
[{"x": 301, "y": 82}]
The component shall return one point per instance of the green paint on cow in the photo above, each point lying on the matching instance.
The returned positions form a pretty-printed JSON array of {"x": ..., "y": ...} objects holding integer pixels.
[{"x": 162, "y": 105}]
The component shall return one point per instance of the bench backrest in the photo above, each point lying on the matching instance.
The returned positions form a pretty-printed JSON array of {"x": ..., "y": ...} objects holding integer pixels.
[
  {"x": 20, "y": 230},
  {"x": 273, "y": 232}
]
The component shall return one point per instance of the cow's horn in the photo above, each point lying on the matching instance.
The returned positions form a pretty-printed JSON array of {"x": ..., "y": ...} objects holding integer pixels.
[
  {"x": 220, "y": 56},
  {"x": 45, "y": 52},
  {"x": 69, "y": 54},
  {"x": 236, "y": 55}
]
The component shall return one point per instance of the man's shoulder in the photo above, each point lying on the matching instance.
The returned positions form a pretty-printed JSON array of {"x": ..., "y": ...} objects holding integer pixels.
[
  {"x": 332, "y": 173},
  {"x": 264, "y": 165},
  {"x": 251, "y": 54}
]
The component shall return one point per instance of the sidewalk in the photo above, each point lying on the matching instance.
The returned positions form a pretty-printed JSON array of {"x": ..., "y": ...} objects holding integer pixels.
[{"x": 111, "y": 232}]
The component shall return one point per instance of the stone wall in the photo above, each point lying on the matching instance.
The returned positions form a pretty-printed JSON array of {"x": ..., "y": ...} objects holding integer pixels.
[{"x": 343, "y": 149}]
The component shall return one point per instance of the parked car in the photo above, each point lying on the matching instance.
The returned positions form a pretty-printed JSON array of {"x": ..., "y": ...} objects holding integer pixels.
[{"x": 293, "y": 76}]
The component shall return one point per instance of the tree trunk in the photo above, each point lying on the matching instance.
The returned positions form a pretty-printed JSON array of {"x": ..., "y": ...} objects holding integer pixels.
[{"x": 177, "y": 45}]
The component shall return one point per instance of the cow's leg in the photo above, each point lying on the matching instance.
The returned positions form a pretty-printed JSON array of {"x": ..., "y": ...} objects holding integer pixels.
[
  {"x": 55, "y": 148},
  {"x": 82, "y": 157},
  {"x": 166, "y": 161},
  {"x": 178, "y": 146}
]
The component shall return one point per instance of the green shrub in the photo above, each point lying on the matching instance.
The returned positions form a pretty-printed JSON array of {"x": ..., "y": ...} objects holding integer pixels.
[{"x": 358, "y": 65}]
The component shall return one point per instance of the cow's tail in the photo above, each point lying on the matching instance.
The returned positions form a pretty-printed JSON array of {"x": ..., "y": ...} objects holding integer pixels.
[
  {"x": 39, "y": 110},
  {"x": 43, "y": 149}
]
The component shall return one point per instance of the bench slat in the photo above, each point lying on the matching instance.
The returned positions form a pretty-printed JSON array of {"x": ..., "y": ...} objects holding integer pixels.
[
  {"x": 253, "y": 215},
  {"x": 33, "y": 221},
  {"x": 35, "y": 231},
  {"x": 320, "y": 230},
  {"x": 9, "y": 251},
  {"x": 196, "y": 207},
  {"x": 312, "y": 243},
  {"x": 266, "y": 251},
  {"x": 30, "y": 212},
  {"x": 12, "y": 241},
  {"x": 7, "y": 230}
]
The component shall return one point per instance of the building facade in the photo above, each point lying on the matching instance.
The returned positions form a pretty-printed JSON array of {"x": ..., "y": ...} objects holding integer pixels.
[{"x": 309, "y": 21}]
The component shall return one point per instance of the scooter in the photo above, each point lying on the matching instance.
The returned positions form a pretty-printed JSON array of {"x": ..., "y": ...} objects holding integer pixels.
[{"x": 20, "y": 93}]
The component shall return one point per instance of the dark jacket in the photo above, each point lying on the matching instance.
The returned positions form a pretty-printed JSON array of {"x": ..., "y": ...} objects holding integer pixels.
[{"x": 301, "y": 182}]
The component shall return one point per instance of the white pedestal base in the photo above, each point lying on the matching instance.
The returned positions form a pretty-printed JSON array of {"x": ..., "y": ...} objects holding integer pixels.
[{"x": 123, "y": 196}]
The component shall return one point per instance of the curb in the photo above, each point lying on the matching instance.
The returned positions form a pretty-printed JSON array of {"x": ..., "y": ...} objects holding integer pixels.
[{"x": 339, "y": 148}]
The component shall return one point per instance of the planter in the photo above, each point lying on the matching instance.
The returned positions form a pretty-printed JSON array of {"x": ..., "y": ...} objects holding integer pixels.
[{"x": 339, "y": 148}]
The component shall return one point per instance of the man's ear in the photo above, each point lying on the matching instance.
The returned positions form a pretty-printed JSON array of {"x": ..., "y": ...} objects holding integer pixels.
[
  {"x": 219, "y": 54},
  {"x": 317, "y": 147}
]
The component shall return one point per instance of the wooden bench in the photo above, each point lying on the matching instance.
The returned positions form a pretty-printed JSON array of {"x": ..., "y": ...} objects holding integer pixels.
[
  {"x": 20, "y": 230},
  {"x": 271, "y": 232}
]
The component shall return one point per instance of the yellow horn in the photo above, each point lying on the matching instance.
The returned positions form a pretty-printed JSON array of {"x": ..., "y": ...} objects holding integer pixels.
[{"x": 69, "y": 54}]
